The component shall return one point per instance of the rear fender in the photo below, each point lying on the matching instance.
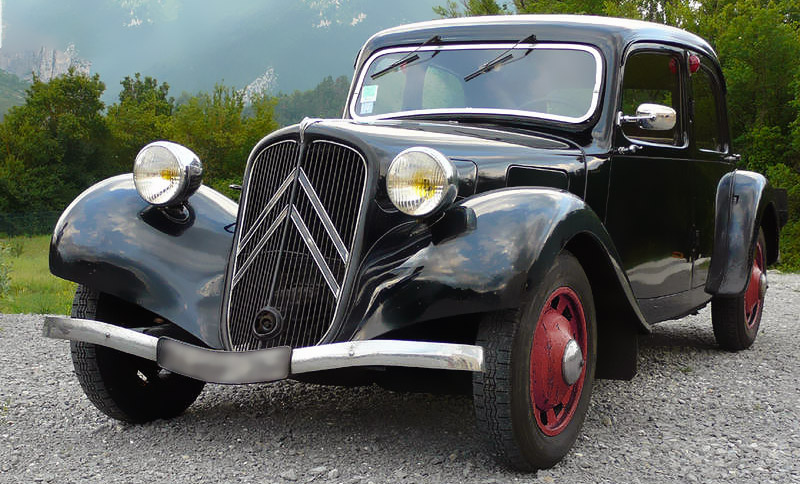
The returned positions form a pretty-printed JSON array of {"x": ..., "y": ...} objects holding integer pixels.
[
  {"x": 113, "y": 241},
  {"x": 745, "y": 202}
]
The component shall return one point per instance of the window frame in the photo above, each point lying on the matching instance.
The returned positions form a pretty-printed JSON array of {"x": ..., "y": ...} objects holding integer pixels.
[
  {"x": 591, "y": 112},
  {"x": 682, "y": 115},
  {"x": 718, "y": 93}
]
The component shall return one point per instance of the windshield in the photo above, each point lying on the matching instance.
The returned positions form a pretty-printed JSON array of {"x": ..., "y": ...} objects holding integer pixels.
[{"x": 559, "y": 82}]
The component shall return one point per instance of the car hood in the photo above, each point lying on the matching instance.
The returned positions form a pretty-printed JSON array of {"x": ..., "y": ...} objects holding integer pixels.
[{"x": 493, "y": 158}]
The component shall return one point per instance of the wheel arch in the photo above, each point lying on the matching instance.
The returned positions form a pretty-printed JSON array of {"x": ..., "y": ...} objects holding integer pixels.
[
  {"x": 745, "y": 202},
  {"x": 111, "y": 240},
  {"x": 618, "y": 323},
  {"x": 493, "y": 259}
]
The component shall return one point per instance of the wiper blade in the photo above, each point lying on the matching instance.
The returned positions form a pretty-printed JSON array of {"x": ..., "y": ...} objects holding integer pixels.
[
  {"x": 501, "y": 59},
  {"x": 408, "y": 59}
]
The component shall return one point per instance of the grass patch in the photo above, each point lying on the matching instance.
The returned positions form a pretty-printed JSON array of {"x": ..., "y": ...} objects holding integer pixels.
[{"x": 31, "y": 289}]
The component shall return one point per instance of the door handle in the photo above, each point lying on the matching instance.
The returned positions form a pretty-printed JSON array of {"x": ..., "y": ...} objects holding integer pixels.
[{"x": 733, "y": 158}]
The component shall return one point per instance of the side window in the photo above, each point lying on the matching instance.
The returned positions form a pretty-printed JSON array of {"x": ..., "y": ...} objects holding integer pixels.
[
  {"x": 706, "y": 102},
  {"x": 652, "y": 77}
]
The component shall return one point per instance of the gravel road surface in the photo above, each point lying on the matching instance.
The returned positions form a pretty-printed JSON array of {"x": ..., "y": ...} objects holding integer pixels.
[{"x": 692, "y": 414}]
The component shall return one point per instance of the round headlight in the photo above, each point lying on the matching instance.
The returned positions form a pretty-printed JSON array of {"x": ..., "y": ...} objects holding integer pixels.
[
  {"x": 421, "y": 181},
  {"x": 166, "y": 173}
]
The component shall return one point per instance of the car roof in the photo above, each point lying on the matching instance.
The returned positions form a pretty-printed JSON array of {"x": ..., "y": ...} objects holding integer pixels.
[{"x": 608, "y": 33}]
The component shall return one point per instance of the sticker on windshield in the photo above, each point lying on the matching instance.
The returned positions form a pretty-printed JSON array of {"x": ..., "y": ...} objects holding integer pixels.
[
  {"x": 366, "y": 108},
  {"x": 369, "y": 95}
]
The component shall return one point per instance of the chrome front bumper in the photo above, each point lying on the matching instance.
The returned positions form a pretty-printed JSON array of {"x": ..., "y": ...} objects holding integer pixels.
[{"x": 233, "y": 367}]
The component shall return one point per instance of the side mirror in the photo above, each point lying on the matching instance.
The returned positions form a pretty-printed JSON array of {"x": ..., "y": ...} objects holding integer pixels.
[{"x": 655, "y": 117}]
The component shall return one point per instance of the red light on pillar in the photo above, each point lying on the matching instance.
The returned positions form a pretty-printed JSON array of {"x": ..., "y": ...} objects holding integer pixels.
[{"x": 694, "y": 63}]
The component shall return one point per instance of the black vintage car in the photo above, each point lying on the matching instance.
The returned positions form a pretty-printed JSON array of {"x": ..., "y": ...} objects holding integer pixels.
[{"x": 517, "y": 198}]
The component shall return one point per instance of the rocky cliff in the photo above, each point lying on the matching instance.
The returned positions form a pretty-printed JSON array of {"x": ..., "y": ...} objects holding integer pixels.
[{"x": 45, "y": 63}]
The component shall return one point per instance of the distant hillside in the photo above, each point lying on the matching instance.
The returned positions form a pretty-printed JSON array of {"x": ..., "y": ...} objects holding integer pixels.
[
  {"x": 324, "y": 101},
  {"x": 275, "y": 45},
  {"x": 12, "y": 91}
]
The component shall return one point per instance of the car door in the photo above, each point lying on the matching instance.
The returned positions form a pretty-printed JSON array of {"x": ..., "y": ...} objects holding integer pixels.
[
  {"x": 649, "y": 202},
  {"x": 710, "y": 148}
]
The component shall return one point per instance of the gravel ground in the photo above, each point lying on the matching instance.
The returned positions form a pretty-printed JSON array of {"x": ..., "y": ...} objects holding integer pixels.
[{"x": 692, "y": 414}]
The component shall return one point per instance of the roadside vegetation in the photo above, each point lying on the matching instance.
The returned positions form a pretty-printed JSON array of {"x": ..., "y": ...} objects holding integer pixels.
[{"x": 26, "y": 285}]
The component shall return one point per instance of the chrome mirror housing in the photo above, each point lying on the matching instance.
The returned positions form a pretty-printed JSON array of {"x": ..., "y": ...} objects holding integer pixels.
[{"x": 655, "y": 117}]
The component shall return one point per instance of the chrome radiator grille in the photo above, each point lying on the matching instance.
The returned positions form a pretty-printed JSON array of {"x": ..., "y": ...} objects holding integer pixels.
[{"x": 298, "y": 224}]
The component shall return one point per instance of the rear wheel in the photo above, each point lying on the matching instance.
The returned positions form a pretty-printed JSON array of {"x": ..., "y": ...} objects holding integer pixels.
[
  {"x": 123, "y": 386},
  {"x": 736, "y": 319},
  {"x": 532, "y": 399}
]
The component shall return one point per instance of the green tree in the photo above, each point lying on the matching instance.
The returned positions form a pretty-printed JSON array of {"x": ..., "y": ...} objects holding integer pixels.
[
  {"x": 760, "y": 55},
  {"x": 215, "y": 127},
  {"x": 12, "y": 91},
  {"x": 470, "y": 8},
  {"x": 143, "y": 114},
  {"x": 326, "y": 100},
  {"x": 54, "y": 145}
]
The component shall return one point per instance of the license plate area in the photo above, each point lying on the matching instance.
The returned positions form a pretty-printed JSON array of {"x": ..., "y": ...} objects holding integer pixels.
[{"x": 226, "y": 367}]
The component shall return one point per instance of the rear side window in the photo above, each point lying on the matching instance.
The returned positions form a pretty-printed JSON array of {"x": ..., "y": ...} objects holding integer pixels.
[
  {"x": 706, "y": 96},
  {"x": 652, "y": 77}
]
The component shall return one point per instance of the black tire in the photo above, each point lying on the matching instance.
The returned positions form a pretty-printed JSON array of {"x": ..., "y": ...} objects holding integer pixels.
[
  {"x": 123, "y": 386},
  {"x": 736, "y": 319},
  {"x": 504, "y": 403}
]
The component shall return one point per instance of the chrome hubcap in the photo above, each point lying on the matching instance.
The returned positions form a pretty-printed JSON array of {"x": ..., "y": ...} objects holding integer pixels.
[
  {"x": 572, "y": 362},
  {"x": 762, "y": 285}
]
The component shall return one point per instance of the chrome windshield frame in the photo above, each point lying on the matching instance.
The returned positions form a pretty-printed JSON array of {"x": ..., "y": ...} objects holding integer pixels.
[{"x": 593, "y": 51}]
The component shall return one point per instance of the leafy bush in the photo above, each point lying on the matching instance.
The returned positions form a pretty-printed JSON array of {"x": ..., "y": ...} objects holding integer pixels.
[{"x": 782, "y": 176}]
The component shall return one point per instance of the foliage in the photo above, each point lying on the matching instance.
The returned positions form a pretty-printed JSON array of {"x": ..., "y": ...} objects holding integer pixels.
[
  {"x": 324, "y": 101},
  {"x": 783, "y": 176},
  {"x": 142, "y": 115},
  {"x": 471, "y": 8},
  {"x": 12, "y": 92},
  {"x": 54, "y": 145},
  {"x": 28, "y": 223},
  {"x": 30, "y": 287},
  {"x": 214, "y": 126},
  {"x": 62, "y": 139},
  {"x": 5, "y": 268}
]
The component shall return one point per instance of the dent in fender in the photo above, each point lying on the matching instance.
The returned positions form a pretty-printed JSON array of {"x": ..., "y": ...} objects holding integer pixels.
[{"x": 407, "y": 277}]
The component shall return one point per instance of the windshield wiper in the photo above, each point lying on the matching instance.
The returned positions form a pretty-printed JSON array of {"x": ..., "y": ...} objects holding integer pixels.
[
  {"x": 407, "y": 59},
  {"x": 501, "y": 59}
]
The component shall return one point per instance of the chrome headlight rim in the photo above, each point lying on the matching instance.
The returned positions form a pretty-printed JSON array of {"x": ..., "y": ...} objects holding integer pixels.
[
  {"x": 449, "y": 188},
  {"x": 185, "y": 162}
]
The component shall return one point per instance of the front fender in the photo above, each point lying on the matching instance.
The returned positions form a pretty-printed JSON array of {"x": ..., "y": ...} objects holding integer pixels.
[
  {"x": 110, "y": 239},
  {"x": 491, "y": 260},
  {"x": 745, "y": 201}
]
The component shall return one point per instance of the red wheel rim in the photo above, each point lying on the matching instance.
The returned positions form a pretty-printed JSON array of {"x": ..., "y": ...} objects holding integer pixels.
[
  {"x": 753, "y": 295},
  {"x": 553, "y": 400}
]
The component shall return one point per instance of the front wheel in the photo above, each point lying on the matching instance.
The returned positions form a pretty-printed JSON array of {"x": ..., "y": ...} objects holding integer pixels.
[
  {"x": 736, "y": 319},
  {"x": 532, "y": 399},
  {"x": 123, "y": 386}
]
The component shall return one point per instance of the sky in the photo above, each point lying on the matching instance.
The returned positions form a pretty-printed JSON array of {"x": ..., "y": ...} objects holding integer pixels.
[{"x": 193, "y": 44}]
